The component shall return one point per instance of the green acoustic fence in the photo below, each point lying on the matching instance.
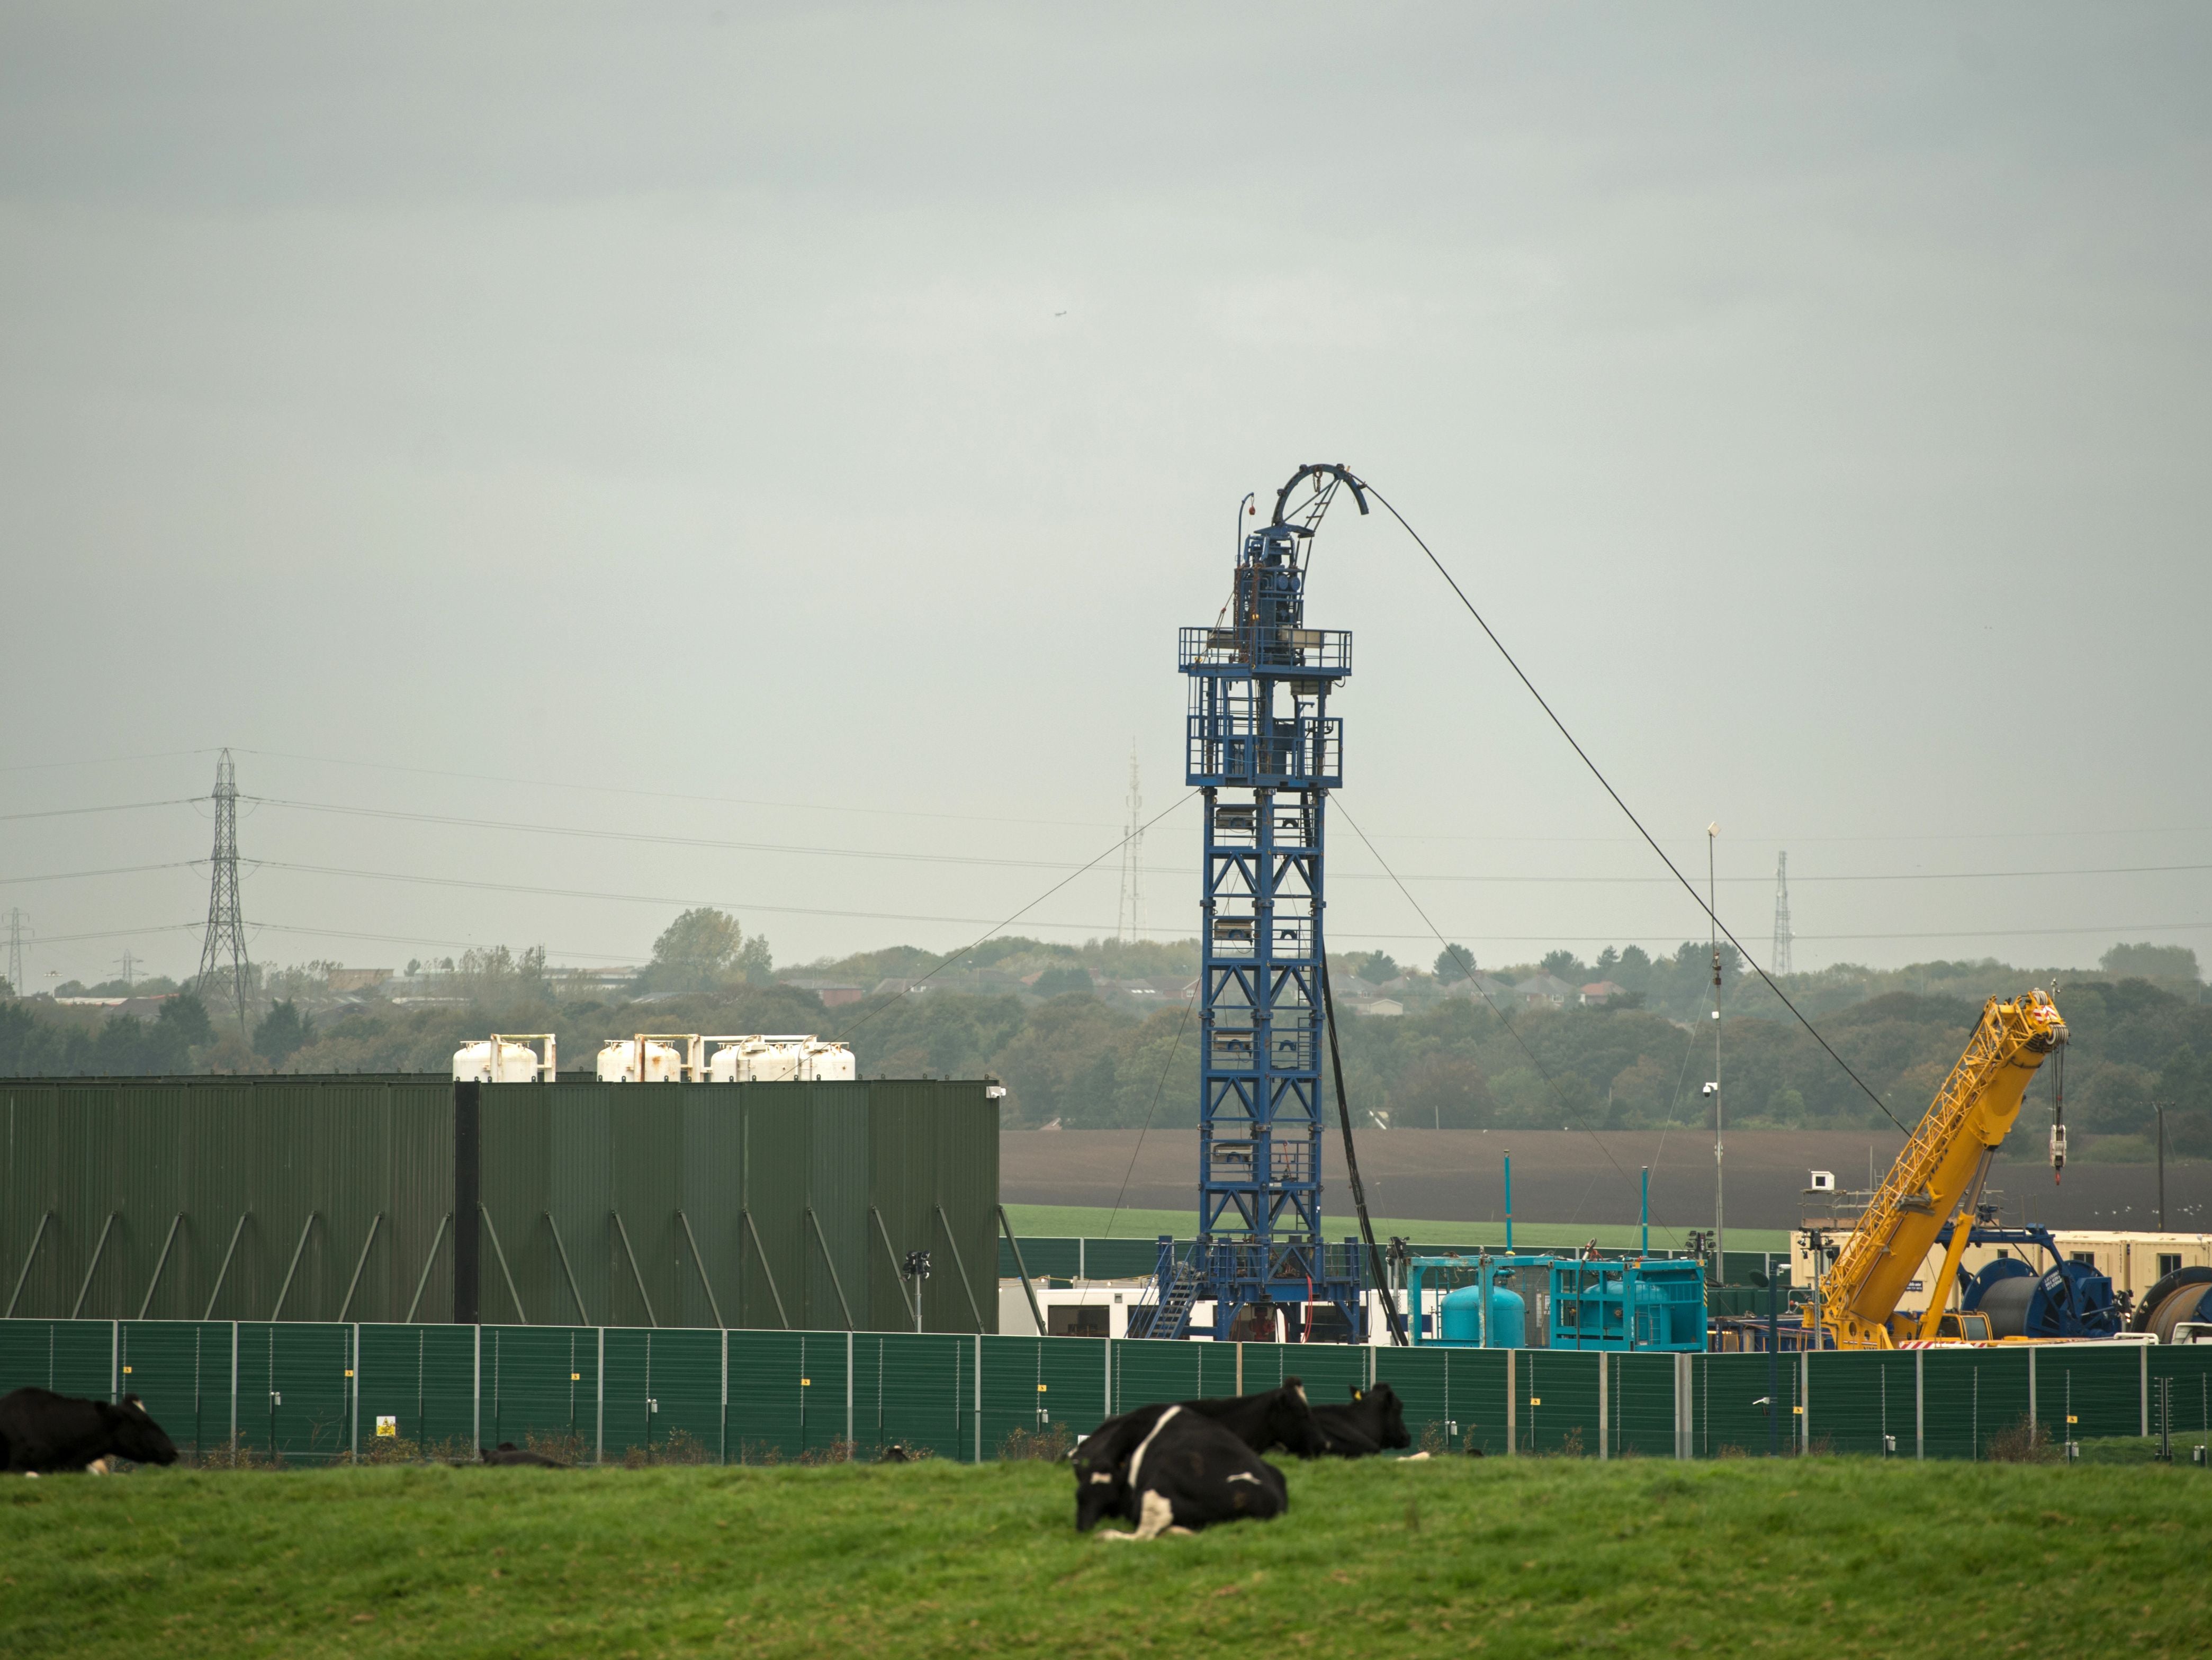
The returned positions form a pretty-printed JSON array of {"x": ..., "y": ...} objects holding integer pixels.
[{"x": 312, "y": 1393}]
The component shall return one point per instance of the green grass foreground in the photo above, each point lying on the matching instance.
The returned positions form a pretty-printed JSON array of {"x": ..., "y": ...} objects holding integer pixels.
[{"x": 1518, "y": 1557}]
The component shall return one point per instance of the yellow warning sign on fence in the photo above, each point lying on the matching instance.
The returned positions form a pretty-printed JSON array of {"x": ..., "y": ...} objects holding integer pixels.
[{"x": 388, "y": 1426}]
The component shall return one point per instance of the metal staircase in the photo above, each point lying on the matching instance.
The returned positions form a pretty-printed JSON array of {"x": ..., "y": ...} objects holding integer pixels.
[{"x": 1170, "y": 1317}]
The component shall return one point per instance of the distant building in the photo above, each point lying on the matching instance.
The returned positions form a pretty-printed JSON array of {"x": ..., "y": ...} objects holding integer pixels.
[
  {"x": 1538, "y": 990},
  {"x": 1600, "y": 992},
  {"x": 1386, "y": 1008}
]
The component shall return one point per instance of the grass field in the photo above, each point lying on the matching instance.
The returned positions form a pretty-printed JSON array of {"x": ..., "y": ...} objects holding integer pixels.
[
  {"x": 1068, "y": 1221},
  {"x": 1381, "y": 1559}
]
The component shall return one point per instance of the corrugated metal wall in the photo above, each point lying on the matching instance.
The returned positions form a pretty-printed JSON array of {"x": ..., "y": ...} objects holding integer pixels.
[{"x": 693, "y": 1205}]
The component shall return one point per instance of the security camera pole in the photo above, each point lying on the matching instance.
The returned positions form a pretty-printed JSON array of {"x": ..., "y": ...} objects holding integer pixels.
[{"x": 916, "y": 1268}]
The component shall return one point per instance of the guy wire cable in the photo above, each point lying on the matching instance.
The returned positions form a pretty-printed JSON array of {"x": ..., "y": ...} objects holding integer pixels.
[
  {"x": 1687, "y": 886},
  {"x": 1468, "y": 969}
]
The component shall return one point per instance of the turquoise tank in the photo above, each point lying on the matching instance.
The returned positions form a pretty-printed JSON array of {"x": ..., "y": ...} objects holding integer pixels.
[{"x": 1509, "y": 1318}]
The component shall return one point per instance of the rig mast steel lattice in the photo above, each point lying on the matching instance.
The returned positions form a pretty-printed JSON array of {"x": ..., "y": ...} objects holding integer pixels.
[{"x": 1262, "y": 748}]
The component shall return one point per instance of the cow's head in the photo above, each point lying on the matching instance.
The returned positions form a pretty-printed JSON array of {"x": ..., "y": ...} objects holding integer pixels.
[
  {"x": 1100, "y": 1490},
  {"x": 137, "y": 1436},
  {"x": 1390, "y": 1414},
  {"x": 1290, "y": 1421}
]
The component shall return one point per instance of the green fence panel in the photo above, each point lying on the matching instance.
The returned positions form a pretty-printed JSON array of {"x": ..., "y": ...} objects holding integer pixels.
[
  {"x": 540, "y": 1388},
  {"x": 2099, "y": 1387},
  {"x": 772, "y": 1395},
  {"x": 1858, "y": 1396},
  {"x": 822, "y": 1359},
  {"x": 1330, "y": 1372},
  {"x": 180, "y": 1370},
  {"x": 70, "y": 1357},
  {"x": 1453, "y": 1398},
  {"x": 664, "y": 1395},
  {"x": 1726, "y": 1416},
  {"x": 2186, "y": 1403},
  {"x": 924, "y": 1393},
  {"x": 1640, "y": 1406},
  {"x": 1557, "y": 1400},
  {"x": 423, "y": 1378},
  {"x": 295, "y": 1400},
  {"x": 1019, "y": 1397},
  {"x": 1971, "y": 1395},
  {"x": 1147, "y": 1372}
]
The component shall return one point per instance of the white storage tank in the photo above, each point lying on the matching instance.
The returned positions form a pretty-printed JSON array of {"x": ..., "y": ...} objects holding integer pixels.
[
  {"x": 778, "y": 1059},
  {"x": 639, "y": 1060},
  {"x": 507, "y": 1063},
  {"x": 828, "y": 1063}
]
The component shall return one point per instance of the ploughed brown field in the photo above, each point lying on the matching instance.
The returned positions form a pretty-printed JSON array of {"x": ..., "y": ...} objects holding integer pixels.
[{"x": 1565, "y": 1176}]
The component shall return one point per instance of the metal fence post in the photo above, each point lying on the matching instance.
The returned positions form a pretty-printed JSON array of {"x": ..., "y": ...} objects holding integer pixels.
[
  {"x": 979, "y": 1397},
  {"x": 1919, "y": 1404},
  {"x": 476, "y": 1388},
  {"x": 849, "y": 1381},
  {"x": 726, "y": 1395},
  {"x": 115, "y": 1363},
  {"x": 599, "y": 1417},
  {"x": 353, "y": 1372},
  {"x": 1108, "y": 1347},
  {"x": 1805, "y": 1400},
  {"x": 2032, "y": 1418},
  {"x": 1512, "y": 1416},
  {"x": 1603, "y": 1370},
  {"x": 2142, "y": 1353},
  {"x": 234, "y": 1391}
]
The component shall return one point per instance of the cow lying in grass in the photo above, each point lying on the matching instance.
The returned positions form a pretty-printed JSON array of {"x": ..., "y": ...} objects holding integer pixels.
[
  {"x": 43, "y": 1433},
  {"x": 507, "y": 1453},
  {"x": 1373, "y": 1421},
  {"x": 1170, "y": 1469}
]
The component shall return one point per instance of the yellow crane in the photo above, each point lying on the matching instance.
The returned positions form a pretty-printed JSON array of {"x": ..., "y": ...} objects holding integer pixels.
[{"x": 1938, "y": 1178}]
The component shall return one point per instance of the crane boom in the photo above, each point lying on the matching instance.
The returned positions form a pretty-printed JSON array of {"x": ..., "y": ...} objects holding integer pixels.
[{"x": 1937, "y": 1176}]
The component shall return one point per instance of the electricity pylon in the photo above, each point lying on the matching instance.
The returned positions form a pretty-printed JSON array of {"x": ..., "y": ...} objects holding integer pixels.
[{"x": 226, "y": 924}]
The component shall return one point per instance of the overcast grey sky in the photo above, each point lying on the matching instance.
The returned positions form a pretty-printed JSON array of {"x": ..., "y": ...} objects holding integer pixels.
[{"x": 836, "y": 410}]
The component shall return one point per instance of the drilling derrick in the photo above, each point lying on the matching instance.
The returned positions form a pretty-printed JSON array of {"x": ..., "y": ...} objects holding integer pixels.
[{"x": 1263, "y": 749}]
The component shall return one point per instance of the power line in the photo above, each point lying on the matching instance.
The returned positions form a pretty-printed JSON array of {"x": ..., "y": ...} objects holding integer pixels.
[
  {"x": 112, "y": 870},
  {"x": 112, "y": 807},
  {"x": 1104, "y": 854},
  {"x": 663, "y": 840},
  {"x": 674, "y": 794}
]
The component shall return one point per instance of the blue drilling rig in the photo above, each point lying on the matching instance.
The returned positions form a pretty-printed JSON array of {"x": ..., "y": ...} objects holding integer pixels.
[{"x": 1262, "y": 746}]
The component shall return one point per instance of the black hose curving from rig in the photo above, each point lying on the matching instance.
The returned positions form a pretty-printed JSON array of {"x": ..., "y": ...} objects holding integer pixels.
[{"x": 1352, "y": 1167}]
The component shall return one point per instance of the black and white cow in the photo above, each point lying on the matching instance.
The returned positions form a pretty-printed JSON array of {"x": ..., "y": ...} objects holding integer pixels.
[
  {"x": 43, "y": 1433},
  {"x": 1170, "y": 1469},
  {"x": 507, "y": 1453},
  {"x": 1279, "y": 1417},
  {"x": 1373, "y": 1421}
]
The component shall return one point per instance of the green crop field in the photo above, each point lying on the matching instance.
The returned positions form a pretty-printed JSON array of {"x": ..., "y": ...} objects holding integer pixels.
[
  {"x": 1521, "y": 1557},
  {"x": 1066, "y": 1221}
]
